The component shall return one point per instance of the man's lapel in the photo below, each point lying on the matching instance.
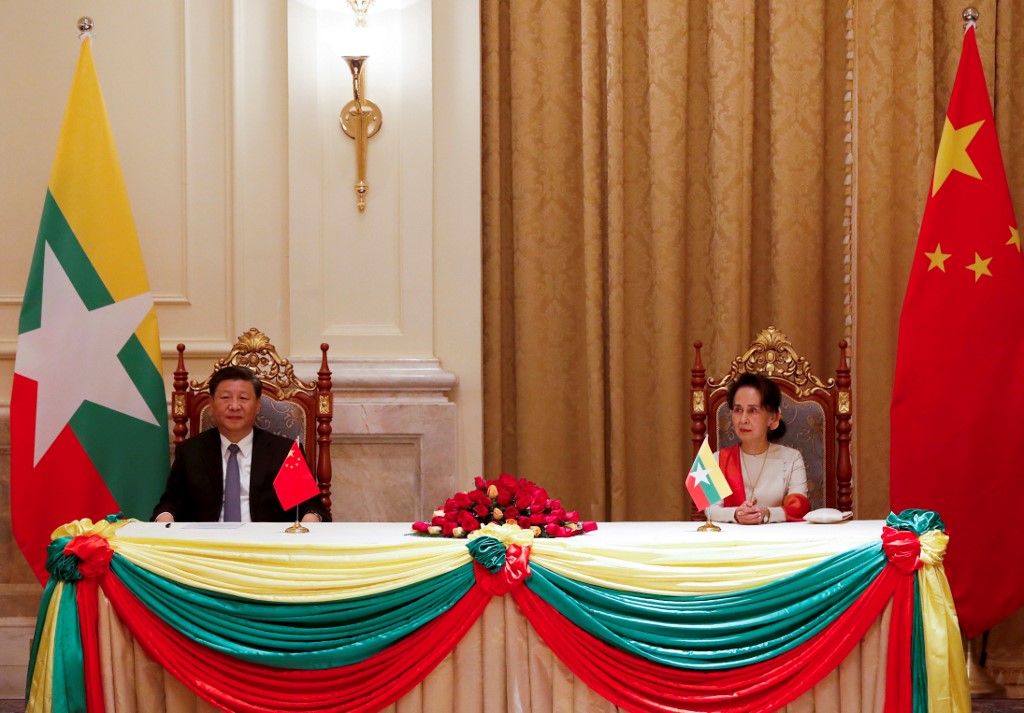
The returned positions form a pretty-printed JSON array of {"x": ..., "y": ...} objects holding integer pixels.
[{"x": 259, "y": 471}]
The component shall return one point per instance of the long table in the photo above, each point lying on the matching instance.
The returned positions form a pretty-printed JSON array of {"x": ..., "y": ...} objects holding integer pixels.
[{"x": 854, "y": 616}]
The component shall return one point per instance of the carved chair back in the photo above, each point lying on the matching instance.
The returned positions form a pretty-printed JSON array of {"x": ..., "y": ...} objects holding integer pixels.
[{"x": 289, "y": 406}]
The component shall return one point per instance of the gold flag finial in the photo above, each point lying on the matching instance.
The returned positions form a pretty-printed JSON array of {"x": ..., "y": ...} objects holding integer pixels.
[{"x": 85, "y": 25}]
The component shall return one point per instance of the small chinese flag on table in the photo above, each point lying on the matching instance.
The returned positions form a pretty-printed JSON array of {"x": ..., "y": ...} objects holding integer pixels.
[
  {"x": 294, "y": 483},
  {"x": 706, "y": 482}
]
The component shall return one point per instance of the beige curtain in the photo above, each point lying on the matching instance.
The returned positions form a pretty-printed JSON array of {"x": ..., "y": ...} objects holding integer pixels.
[{"x": 661, "y": 171}]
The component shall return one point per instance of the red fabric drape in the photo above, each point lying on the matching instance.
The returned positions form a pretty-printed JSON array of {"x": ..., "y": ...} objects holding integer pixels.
[
  {"x": 899, "y": 688},
  {"x": 88, "y": 623},
  {"x": 904, "y": 552},
  {"x": 243, "y": 687},
  {"x": 640, "y": 685},
  {"x": 94, "y": 556}
]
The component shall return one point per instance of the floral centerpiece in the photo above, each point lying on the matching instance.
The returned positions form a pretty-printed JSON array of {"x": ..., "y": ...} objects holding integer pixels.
[{"x": 505, "y": 501}]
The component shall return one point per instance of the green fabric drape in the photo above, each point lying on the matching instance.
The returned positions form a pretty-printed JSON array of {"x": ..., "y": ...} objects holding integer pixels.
[
  {"x": 297, "y": 636},
  {"x": 718, "y": 631},
  {"x": 916, "y": 521},
  {"x": 489, "y": 552},
  {"x": 68, "y": 668},
  {"x": 37, "y": 636}
]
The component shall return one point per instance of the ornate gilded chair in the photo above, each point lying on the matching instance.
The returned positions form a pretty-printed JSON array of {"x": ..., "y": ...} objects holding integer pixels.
[
  {"x": 817, "y": 413},
  {"x": 289, "y": 406}
]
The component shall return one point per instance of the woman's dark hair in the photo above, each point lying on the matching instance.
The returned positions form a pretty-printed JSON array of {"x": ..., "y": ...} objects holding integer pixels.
[
  {"x": 238, "y": 373},
  {"x": 771, "y": 398}
]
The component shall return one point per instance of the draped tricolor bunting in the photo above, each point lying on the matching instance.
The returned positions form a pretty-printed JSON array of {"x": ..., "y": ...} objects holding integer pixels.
[
  {"x": 88, "y": 408},
  {"x": 288, "y": 628}
]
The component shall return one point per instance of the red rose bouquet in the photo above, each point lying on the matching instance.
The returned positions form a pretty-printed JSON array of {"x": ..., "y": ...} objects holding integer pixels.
[{"x": 507, "y": 500}]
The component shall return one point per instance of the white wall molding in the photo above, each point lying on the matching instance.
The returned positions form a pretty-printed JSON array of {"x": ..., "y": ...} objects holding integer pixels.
[{"x": 413, "y": 377}]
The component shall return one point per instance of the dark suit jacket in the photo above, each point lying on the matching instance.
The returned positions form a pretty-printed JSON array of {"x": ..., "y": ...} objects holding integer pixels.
[{"x": 195, "y": 487}]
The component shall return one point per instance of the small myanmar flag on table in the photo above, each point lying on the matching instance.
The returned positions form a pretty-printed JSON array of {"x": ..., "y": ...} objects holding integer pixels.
[{"x": 706, "y": 482}]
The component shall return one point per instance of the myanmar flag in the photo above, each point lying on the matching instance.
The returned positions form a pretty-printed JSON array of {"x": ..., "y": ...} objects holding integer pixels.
[
  {"x": 88, "y": 409},
  {"x": 958, "y": 361},
  {"x": 706, "y": 482}
]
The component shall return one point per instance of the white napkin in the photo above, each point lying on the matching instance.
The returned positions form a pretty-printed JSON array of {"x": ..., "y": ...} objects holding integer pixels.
[{"x": 823, "y": 516}]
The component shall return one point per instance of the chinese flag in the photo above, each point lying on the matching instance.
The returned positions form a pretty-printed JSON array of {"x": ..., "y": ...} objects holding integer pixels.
[
  {"x": 294, "y": 483},
  {"x": 958, "y": 363}
]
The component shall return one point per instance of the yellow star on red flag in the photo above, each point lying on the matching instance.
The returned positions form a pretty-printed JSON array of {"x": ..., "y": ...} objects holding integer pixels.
[
  {"x": 1014, "y": 238},
  {"x": 937, "y": 258},
  {"x": 952, "y": 153},
  {"x": 980, "y": 267}
]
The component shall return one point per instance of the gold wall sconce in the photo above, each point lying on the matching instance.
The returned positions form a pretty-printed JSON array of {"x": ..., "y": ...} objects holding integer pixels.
[{"x": 360, "y": 119}]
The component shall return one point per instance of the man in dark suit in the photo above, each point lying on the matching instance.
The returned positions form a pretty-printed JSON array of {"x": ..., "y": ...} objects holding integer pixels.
[{"x": 227, "y": 473}]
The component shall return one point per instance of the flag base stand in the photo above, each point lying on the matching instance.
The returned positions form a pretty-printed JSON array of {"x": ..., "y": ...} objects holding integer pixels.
[
  {"x": 708, "y": 526},
  {"x": 297, "y": 527}
]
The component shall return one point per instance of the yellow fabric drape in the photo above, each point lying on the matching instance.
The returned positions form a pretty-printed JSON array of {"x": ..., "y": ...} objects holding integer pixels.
[
  {"x": 653, "y": 558},
  {"x": 661, "y": 171},
  {"x": 42, "y": 674},
  {"x": 948, "y": 688},
  {"x": 313, "y": 573},
  {"x": 678, "y": 569},
  {"x": 85, "y": 527},
  {"x": 310, "y": 573}
]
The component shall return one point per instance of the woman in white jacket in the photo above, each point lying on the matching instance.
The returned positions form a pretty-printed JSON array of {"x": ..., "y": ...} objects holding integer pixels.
[{"x": 761, "y": 472}]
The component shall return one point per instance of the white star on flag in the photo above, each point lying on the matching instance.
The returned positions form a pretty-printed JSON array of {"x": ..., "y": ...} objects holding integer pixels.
[
  {"x": 699, "y": 473},
  {"x": 73, "y": 355}
]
